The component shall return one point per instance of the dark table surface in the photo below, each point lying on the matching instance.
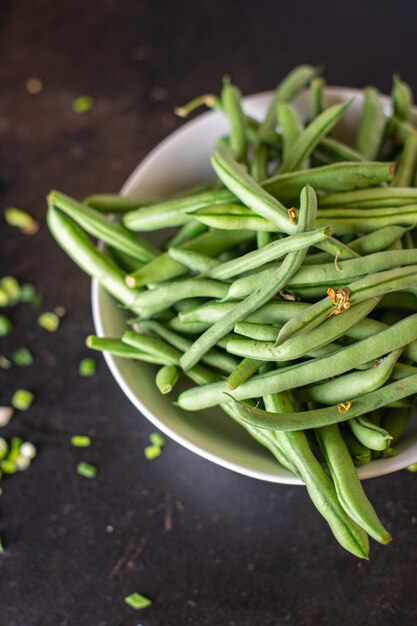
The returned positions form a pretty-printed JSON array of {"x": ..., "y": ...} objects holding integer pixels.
[{"x": 237, "y": 551}]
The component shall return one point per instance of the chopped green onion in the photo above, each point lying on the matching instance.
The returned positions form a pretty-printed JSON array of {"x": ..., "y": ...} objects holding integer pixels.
[
  {"x": 22, "y": 220},
  {"x": 5, "y": 364},
  {"x": 6, "y": 414},
  {"x": 87, "y": 367},
  {"x": 28, "y": 293},
  {"x": 5, "y": 325},
  {"x": 4, "y": 298},
  {"x": 8, "y": 466},
  {"x": 412, "y": 468},
  {"x": 137, "y": 601},
  {"x": 10, "y": 285},
  {"x": 82, "y": 104},
  {"x": 86, "y": 469},
  {"x": 80, "y": 441},
  {"x": 27, "y": 450},
  {"x": 49, "y": 321},
  {"x": 22, "y": 399},
  {"x": 152, "y": 452},
  {"x": 157, "y": 439},
  {"x": 4, "y": 448},
  {"x": 23, "y": 357}
]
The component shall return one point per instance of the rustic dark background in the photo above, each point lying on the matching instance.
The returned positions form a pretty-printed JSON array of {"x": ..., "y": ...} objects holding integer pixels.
[{"x": 237, "y": 552}]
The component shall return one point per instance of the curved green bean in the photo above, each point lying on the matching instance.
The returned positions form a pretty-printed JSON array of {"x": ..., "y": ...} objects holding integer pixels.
[
  {"x": 372, "y": 125},
  {"x": 230, "y": 98},
  {"x": 369, "y": 434}
]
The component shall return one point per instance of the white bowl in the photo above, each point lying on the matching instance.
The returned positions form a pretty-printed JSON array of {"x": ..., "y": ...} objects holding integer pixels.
[{"x": 182, "y": 160}]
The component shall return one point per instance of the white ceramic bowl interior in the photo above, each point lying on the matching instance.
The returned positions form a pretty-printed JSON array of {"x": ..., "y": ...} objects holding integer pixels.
[{"x": 183, "y": 160}]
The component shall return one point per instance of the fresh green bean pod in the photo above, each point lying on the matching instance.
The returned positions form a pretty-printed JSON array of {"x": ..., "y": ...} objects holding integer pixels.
[
  {"x": 331, "y": 178},
  {"x": 317, "y": 96},
  {"x": 361, "y": 455},
  {"x": 120, "y": 349},
  {"x": 405, "y": 171},
  {"x": 169, "y": 213},
  {"x": 113, "y": 203},
  {"x": 166, "y": 378},
  {"x": 300, "y": 345},
  {"x": 290, "y": 125},
  {"x": 402, "y": 98},
  {"x": 110, "y": 232},
  {"x": 319, "y": 486},
  {"x": 259, "y": 332},
  {"x": 348, "y": 486},
  {"x": 339, "y": 151},
  {"x": 193, "y": 260},
  {"x": 316, "y": 418},
  {"x": 309, "y": 372},
  {"x": 93, "y": 262},
  {"x": 373, "y": 198},
  {"x": 351, "y": 385},
  {"x": 369, "y": 434},
  {"x": 270, "y": 252},
  {"x": 372, "y": 125},
  {"x": 186, "y": 233},
  {"x": 312, "y": 136},
  {"x": 242, "y": 373},
  {"x": 259, "y": 165},
  {"x": 230, "y": 98},
  {"x": 164, "y": 268},
  {"x": 163, "y": 297},
  {"x": 272, "y": 312},
  {"x": 152, "y": 345}
]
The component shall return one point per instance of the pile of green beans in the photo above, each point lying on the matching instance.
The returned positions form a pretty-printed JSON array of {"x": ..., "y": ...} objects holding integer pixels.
[{"x": 287, "y": 293}]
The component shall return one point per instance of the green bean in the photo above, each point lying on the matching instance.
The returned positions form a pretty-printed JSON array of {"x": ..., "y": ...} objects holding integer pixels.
[
  {"x": 164, "y": 268},
  {"x": 274, "y": 250},
  {"x": 124, "y": 261},
  {"x": 291, "y": 127},
  {"x": 317, "y": 99},
  {"x": 405, "y": 171},
  {"x": 407, "y": 241},
  {"x": 348, "y": 486},
  {"x": 312, "y": 136},
  {"x": 375, "y": 197},
  {"x": 113, "y": 203},
  {"x": 242, "y": 373},
  {"x": 339, "y": 151},
  {"x": 298, "y": 346},
  {"x": 193, "y": 260},
  {"x": 287, "y": 89},
  {"x": 394, "y": 421},
  {"x": 260, "y": 332},
  {"x": 369, "y": 434},
  {"x": 81, "y": 250},
  {"x": 306, "y": 373},
  {"x": 214, "y": 357},
  {"x": 316, "y": 418},
  {"x": 259, "y": 166},
  {"x": 359, "y": 453},
  {"x": 264, "y": 293},
  {"x": 118, "y": 348},
  {"x": 230, "y": 98},
  {"x": 373, "y": 285},
  {"x": 109, "y": 232},
  {"x": 163, "y": 297},
  {"x": 319, "y": 485},
  {"x": 169, "y": 213},
  {"x": 238, "y": 181},
  {"x": 372, "y": 125},
  {"x": 335, "y": 177},
  {"x": 188, "y": 231},
  {"x": 152, "y": 346},
  {"x": 166, "y": 378},
  {"x": 353, "y": 384},
  {"x": 273, "y": 312},
  {"x": 402, "y": 98}
]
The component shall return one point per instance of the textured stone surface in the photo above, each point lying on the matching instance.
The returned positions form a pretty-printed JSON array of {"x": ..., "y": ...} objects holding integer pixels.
[{"x": 211, "y": 548}]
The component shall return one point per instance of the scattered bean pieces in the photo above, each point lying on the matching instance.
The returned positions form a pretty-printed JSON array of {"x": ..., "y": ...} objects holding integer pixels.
[
  {"x": 22, "y": 399},
  {"x": 80, "y": 441},
  {"x": 49, "y": 321},
  {"x": 87, "y": 367},
  {"x": 22, "y": 220},
  {"x": 137, "y": 601},
  {"x": 82, "y": 104},
  {"x": 23, "y": 357},
  {"x": 86, "y": 469}
]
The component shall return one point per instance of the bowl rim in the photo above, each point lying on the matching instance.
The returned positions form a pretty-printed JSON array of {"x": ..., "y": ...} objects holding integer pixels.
[{"x": 374, "y": 468}]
